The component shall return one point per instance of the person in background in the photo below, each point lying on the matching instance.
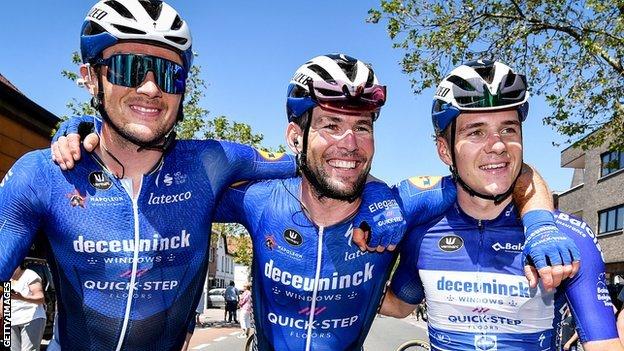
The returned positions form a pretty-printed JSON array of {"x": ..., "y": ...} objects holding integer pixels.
[
  {"x": 245, "y": 310},
  {"x": 569, "y": 335},
  {"x": 231, "y": 302},
  {"x": 28, "y": 316}
]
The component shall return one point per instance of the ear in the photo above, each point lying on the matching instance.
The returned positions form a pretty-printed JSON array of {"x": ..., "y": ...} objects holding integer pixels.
[
  {"x": 89, "y": 78},
  {"x": 443, "y": 150},
  {"x": 294, "y": 137}
]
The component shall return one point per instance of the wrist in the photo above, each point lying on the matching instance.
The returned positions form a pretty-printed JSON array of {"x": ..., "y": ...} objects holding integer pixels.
[{"x": 537, "y": 218}]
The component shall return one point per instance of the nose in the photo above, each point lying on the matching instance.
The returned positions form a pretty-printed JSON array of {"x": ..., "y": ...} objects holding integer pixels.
[
  {"x": 348, "y": 141},
  {"x": 149, "y": 87},
  {"x": 495, "y": 144}
]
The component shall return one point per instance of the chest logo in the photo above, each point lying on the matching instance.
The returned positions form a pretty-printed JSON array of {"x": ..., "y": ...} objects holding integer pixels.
[
  {"x": 292, "y": 237},
  {"x": 451, "y": 243},
  {"x": 99, "y": 180}
]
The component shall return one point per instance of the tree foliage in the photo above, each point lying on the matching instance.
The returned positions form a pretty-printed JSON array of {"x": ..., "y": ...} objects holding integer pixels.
[{"x": 571, "y": 51}]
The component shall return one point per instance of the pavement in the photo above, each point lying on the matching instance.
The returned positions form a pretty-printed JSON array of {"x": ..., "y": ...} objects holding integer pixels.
[{"x": 213, "y": 330}]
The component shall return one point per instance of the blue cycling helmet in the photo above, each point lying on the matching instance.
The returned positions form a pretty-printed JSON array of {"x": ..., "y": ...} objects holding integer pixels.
[
  {"x": 481, "y": 85},
  {"x": 110, "y": 21},
  {"x": 336, "y": 82}
]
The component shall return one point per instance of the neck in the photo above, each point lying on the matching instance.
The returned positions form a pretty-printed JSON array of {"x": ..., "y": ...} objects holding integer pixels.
[
  {"x": 135, "y": 163},
  {"x": 324, "y": 211},
  {"x": 477, "y": 207}
]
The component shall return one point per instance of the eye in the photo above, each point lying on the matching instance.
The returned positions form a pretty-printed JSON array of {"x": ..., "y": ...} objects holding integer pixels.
[
  {"x": 331, "y": 126},
  {"x": 363, "y": 129},
  {"x": 510, "y": 130},
  {"x": 476, "y": 133}
]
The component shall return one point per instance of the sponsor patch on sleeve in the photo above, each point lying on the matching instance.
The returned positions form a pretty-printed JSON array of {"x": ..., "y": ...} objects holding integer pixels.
[
  {"x": 425, "y": 182},
  {"x": 271, "y": 156}
]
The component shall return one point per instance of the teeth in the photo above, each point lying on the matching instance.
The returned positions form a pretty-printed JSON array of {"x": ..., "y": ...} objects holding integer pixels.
[
  {"x": 493, "y": 166},
  {"x": 145, "y": 109},
  {"x": 342, "y": 164}
]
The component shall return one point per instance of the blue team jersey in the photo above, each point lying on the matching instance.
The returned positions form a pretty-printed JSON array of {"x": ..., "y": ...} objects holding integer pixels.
[
  {"x": 312, "y": 284},
  {"x": 471, "y": 272},
  {"x": 128, "y": 272}
]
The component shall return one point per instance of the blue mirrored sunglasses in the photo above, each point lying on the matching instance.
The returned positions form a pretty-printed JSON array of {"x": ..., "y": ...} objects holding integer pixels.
[{"x": 129, "y": 70}]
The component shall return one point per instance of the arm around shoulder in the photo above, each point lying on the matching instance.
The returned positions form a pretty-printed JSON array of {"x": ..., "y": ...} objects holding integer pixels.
[{"x": 394, "y": 307}]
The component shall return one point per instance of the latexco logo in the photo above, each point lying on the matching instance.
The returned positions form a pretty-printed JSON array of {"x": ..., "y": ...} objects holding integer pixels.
[
  {"x": 169, "y": 199},
  {"x": 451, "y": 243}
]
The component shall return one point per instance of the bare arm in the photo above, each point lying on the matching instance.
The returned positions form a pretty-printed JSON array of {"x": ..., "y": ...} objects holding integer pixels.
[
  {"x": 394, "y": 307},
  {"x": 531, "y": 192},
  {"x": 186, "y": 342},
  {"x": 35, "y": 296},
  {"x": 603, "y": 345}
]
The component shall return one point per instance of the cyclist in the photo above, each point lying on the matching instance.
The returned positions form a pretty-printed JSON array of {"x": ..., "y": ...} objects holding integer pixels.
[
  {"x": 312, "y": 288},
  {"x": 303, "y": 303},
  {"x": 468, "y": 262},
  {"x": 129, "y": 227}
]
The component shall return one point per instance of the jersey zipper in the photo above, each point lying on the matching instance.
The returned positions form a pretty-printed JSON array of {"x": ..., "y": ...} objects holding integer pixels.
[
  {"x": 135, "y": 212},
  {"x": 317, "y": 276}
]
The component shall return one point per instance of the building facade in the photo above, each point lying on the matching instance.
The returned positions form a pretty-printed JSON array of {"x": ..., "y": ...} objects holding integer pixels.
[
  {"x": 596, "y": 195},
  {"x": 221, "y": 263},
  {"x": 24, "y": 125}
]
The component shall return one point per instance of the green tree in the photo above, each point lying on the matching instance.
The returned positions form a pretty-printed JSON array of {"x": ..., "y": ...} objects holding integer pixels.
[{"x": 571, "y": 51}]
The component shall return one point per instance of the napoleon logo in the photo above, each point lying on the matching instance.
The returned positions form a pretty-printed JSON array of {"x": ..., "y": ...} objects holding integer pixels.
[
  {"x": 450, "y": 243},
  {"x": 99, "y": 180},
  {"x": 292, "y": 237}
]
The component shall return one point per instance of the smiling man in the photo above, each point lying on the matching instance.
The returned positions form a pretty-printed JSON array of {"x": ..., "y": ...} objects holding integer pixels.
[{"x": 468, "y": 263}]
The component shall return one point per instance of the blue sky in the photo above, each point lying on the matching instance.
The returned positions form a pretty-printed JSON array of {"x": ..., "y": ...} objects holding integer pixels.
[{"x": 248, "y": 51}]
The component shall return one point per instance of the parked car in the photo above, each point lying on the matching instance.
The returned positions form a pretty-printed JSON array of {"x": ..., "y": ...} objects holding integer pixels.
[{"x": 215, "y": 298}]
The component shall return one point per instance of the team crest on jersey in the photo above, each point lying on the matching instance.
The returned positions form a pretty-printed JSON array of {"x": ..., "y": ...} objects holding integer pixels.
[
  {"x": 269, "y": 242},
  {"x": 485, "y": 343},
  {"x": 293, "y": 237},
  {"x": 77, "y": 200},
  {"x": 100, "y": 180},
  {"x": 450, "y": 243},
  {"x": 425, "y": 182},
  {"x": 271, "y": 156}
]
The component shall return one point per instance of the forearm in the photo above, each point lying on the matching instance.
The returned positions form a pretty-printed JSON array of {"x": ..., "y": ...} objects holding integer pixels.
[
  {"x": 620, "y": 326},
  {"x": 531, "y": 192},
  {"x": 394, "y": 307}
]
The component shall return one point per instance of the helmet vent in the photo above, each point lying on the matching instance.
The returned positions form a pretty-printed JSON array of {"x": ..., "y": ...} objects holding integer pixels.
[
  {"x": 92, "y": 28},
  {"x": 486, "y": 73},
  {"x": 321, "y": 72},
  {"x": 461, "y": 82},
  {"x": 177, "y": 23},
  {"x": 371, "y": 77},
  {"x": 120, "y": 8},
  {"x": 128, "y": 30},
  {"x": 348, "y": 67},
  {"x": 177, "y": 40},
  {"x": 152, "y": 8}
]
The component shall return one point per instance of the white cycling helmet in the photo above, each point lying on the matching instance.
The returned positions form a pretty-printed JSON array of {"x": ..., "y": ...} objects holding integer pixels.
[
  {"x": 336, "y": 82},
  {"x": 110, "y": 21},
  {"x": 481, "y": 85}
]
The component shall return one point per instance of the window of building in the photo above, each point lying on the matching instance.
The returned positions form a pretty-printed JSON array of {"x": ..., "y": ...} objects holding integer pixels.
[
  {"x": 611, "y": 219},
  {"x": 611, "y": 162}
]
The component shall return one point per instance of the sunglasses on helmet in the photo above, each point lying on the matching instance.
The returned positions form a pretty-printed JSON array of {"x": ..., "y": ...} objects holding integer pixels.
[
  {"x": 129, "y": 70},
  {"x": 344, "y": 97}
]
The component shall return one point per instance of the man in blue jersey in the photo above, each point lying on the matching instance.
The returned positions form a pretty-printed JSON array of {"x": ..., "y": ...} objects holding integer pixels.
[
  {"x": 129, "y": 227},
  {"x": 313, "y": 289},
  {"x": 468, "y": 263}
]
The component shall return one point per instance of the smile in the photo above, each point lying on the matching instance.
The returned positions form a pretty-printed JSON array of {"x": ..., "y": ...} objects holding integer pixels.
[
  {"x": 342, "y": 164},
  {"x": 144, "y": 109},
  {"x": 492, "y": 166}
]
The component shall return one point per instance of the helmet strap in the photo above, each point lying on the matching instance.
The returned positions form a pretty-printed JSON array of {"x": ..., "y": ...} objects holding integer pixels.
[{"x": 498, "y": 199}]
